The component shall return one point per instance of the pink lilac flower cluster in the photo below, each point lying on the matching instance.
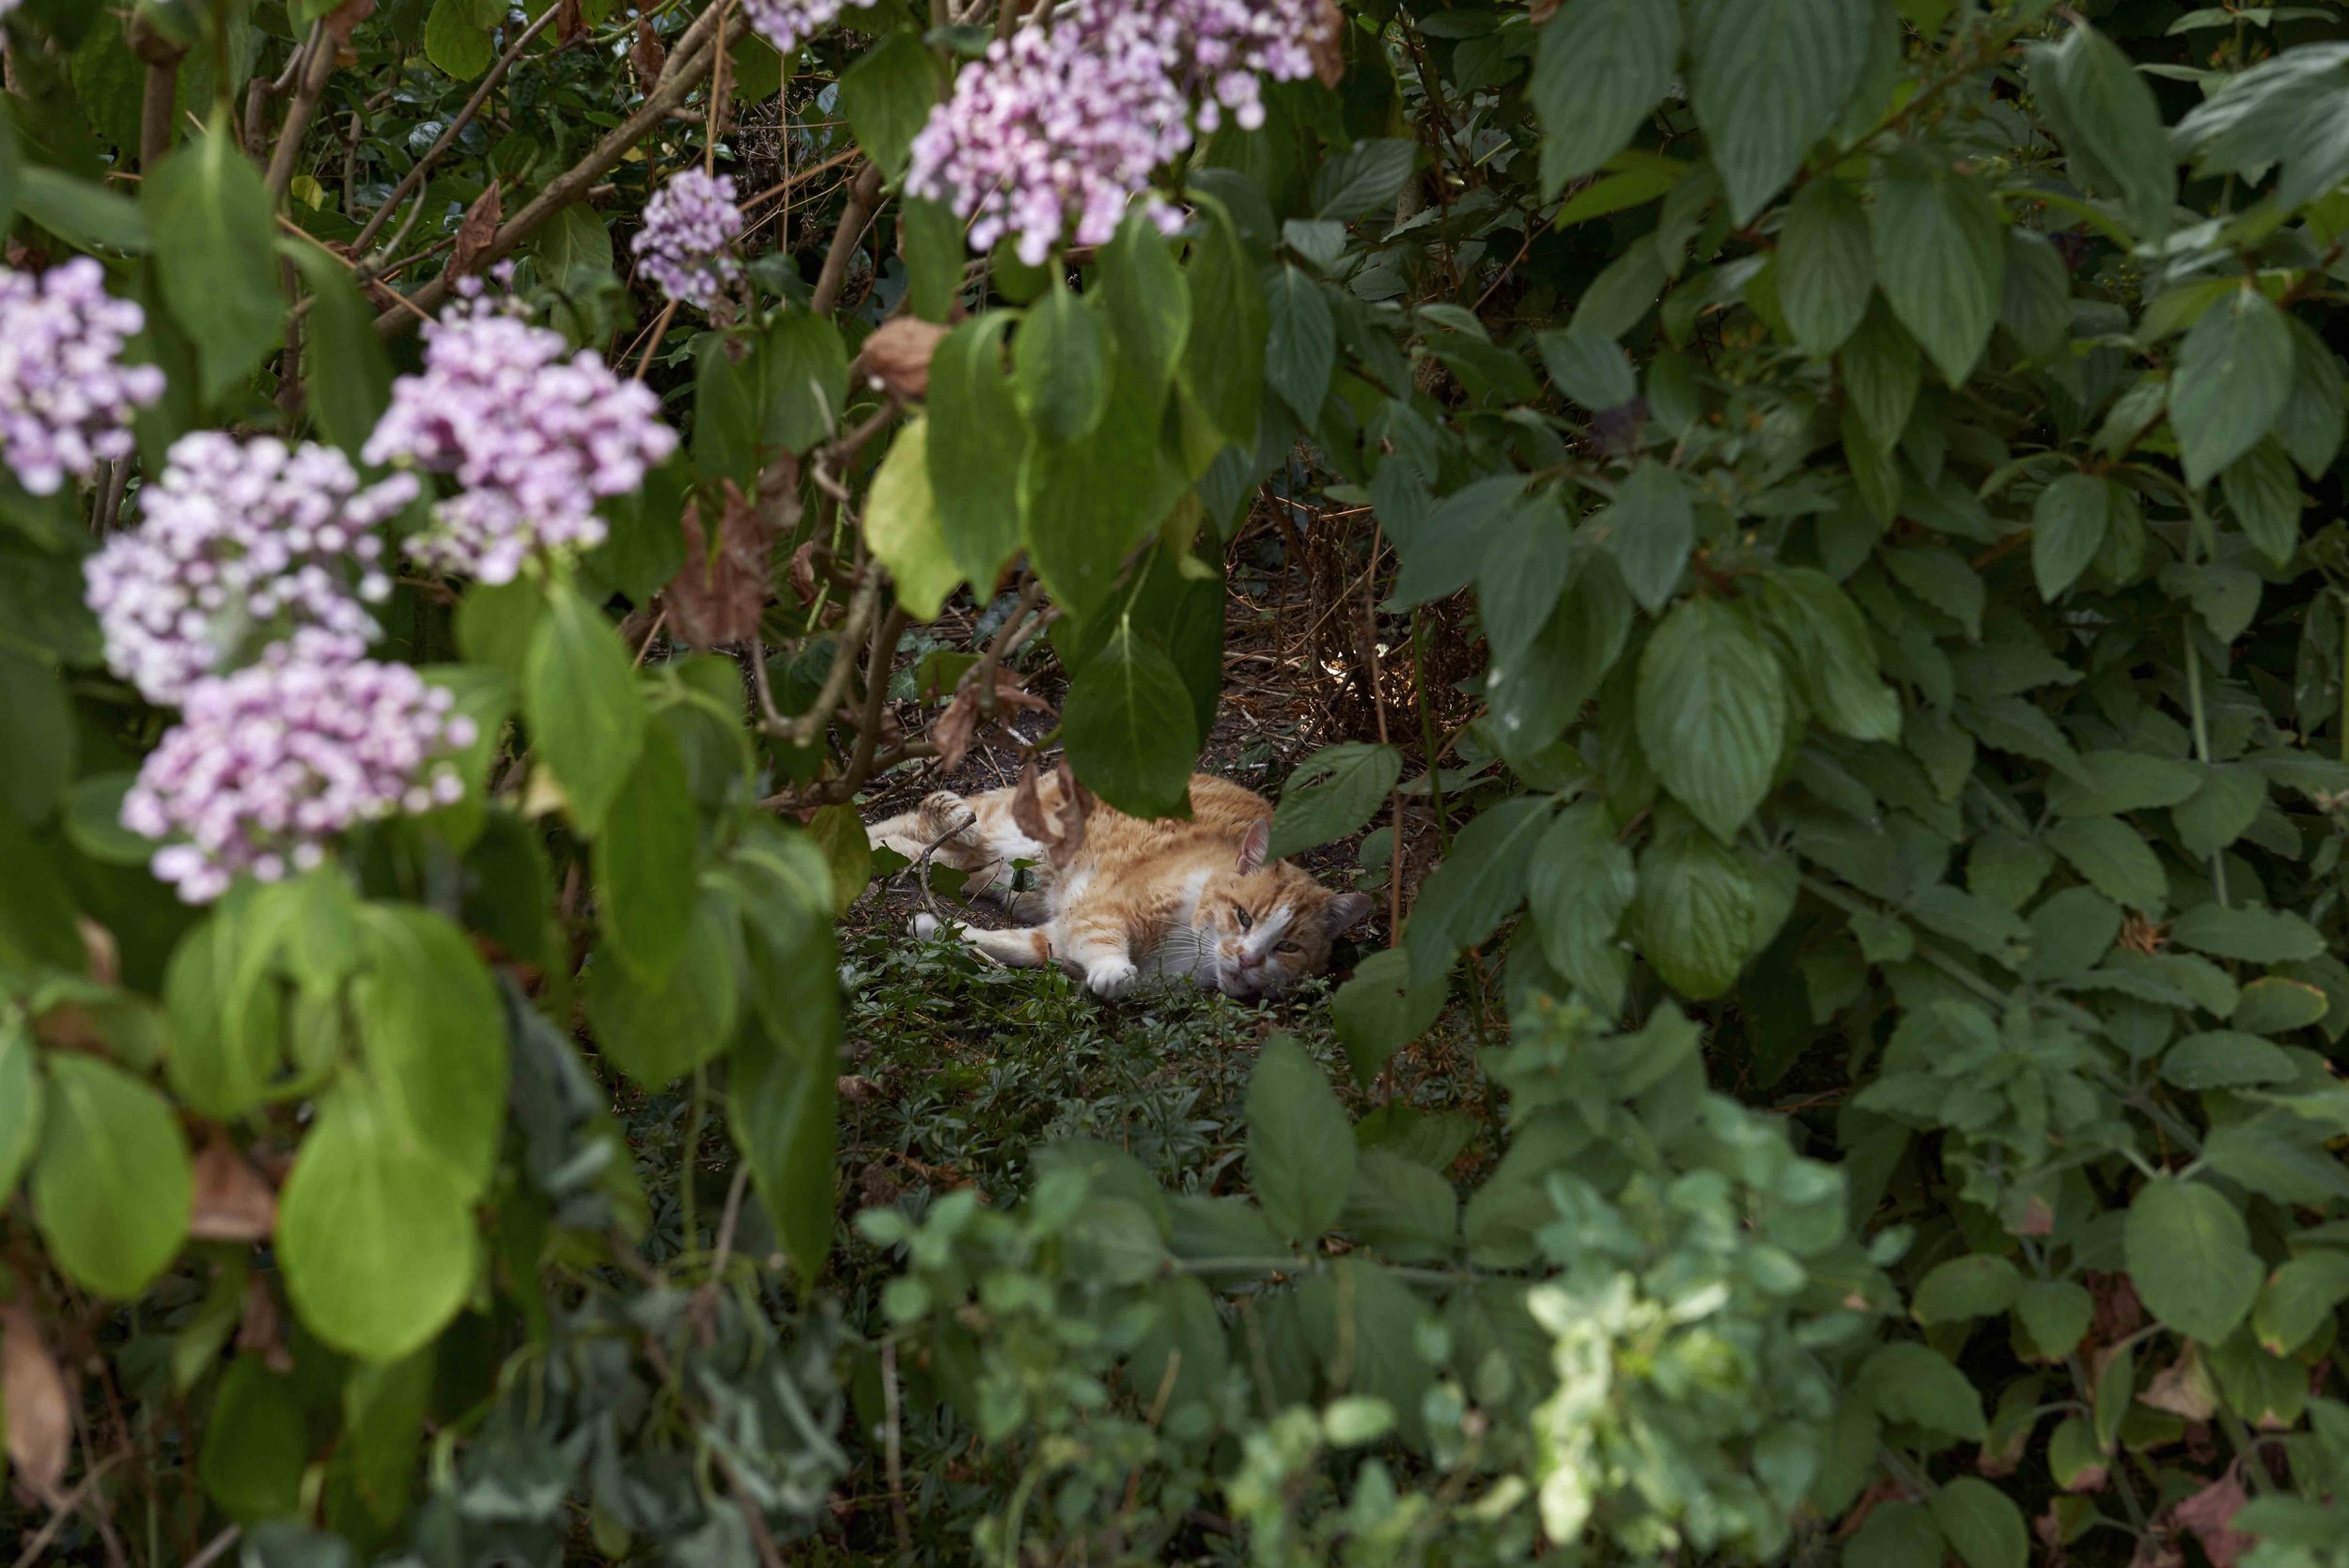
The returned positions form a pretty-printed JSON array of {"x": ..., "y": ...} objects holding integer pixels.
[
  {"x": 534, "y": 437},
  {"x": 273, "y": 761},
  {"x": 1058, "y": 128},
  {"x": 66, "y": 399},
  {"x": 690, "y": 225},
  {"x": 788, "y": 23},
  {"x": 238, "y": 544}
]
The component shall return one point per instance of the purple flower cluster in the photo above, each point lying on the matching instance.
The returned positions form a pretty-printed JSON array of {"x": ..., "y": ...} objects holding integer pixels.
[
  {"x": 273, "y": 761},
  {"x": 535, "y": 440},
  {"x": 66, "y": 399},
  {"x": 788, "y": 23},
  {"x": 690, "y": 225},
  {"x": 240, "y": 544},
  {"x": 1059, "y": 128}
]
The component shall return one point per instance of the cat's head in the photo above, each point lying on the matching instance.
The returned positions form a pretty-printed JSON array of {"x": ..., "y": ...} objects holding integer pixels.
[{"x": 1272, "y": 924}]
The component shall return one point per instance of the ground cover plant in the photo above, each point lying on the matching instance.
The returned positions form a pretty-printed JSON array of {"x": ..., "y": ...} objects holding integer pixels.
[{"x": 1793, "y": 546}]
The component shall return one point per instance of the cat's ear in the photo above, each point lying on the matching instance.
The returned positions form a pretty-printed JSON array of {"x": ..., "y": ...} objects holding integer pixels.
[
  {"x": 1346, "y": 910},
  {"x": 1253, "y": 843}
]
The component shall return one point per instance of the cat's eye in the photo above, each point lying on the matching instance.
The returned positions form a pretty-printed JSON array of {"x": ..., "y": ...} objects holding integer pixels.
[
  {"x": 1246, "y": 920},
  {"x": 1288, "y": 947}
]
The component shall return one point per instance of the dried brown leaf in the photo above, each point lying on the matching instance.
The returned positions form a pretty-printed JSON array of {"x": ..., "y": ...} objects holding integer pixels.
[
  {"x": 232, "y": 1201},
  {"x": 951, "y": 733},
  {"x": 646, "y": 56},
  {"x": 897, "y": 355},
  {"x": 570, "y": 24},
  {"x": 2209, "y": 1512},
  {"x": 1327, "y": 45},
  {"x": 39, "y": 1403},
  {"x": 261, "y": 1332},
  {"x": 717, "y": 595},
  {"x": 342, "y": 21},
  {"x": 2184, "y": 1388},
  {"x": 479, "y": 231}
]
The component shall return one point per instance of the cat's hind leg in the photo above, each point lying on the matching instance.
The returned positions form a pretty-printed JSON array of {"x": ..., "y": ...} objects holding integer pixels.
[{"x": 943, "y": 827}]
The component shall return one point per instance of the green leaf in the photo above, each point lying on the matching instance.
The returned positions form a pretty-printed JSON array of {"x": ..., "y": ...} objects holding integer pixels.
[
  {"x": 2225, "y": 1058},
  {"x": 1913, "y": 1383},
  {"x": 256, "y": 1443},
  {"x": 1599, "y": 67},
  {"x": 1589, "y": 367},
  {"x": 2115, "y": 860},
  {"x": 384, "y": 1404},
  {"x": 574, "y": 251},
  {"x": 433, "y": 1038},
  {"x": 216, "y": 256},
  {"x": 344, "y": 369},
  {"x": 2314, "y": 414},
  {"x": 2056, "y": 1314},
  {"x": 2190, "y": 1258},
  {"x": 2273, "y": 1005},
  {"x": 974, "y": 444},
  {"x": 1379, "y": 1011},
  {"x": 375, "y": 1232},
  {"x": 1825, "y": 268},
  {"x": 1301, "y": 1147},
  {"x": 1224, "y": 361},
  {"x": 2233, "y": 378},
  {"x": 2070, "y": 932},
  {"x": 81, "y": 213},
  {"x": 803, "y": 370},
  {"x": 1581, "y": 883},
  {"x": 1526, "y": 561},
  {"x": 887, "y": 96},
  {"x": 454, "y": 42},
  {"x": 228, "y": 1045},
  {"x": 1149, "y": 304},
  {"x": 2265, "y": 496},
  {"x": 1829, "y": 654},
  {"x": 1940, "y": 249},
  {"x": 645, "y": 862},
  {"x": 656, "y": 1032},
  {"x": 2067, "y": 529},
  {"x": 1977, "y": 1285},
  {"x": 579, "y": 696},
  {"x": 20, "y": 1105},
  {"x": 1897, "y": 1535},
  {"x": 725, "y": 417},
  {"x": 903, "y": 526},
  {"x": 1881, "y": 371},
  {"x": 1332, "y": 794},
  {"x": 2117, "y": 782},
  {"x": 935, "y": 253},
  {"x": 1479, "y": 885},
  {"x": 110, "y": 1184},
  {"x": 2105, "y": 113},
  {"x": 2254, "y": 936},
  {"x": 2223, "y": 809},
  {"x": 1130, "y": 727},
  {"x": 1302, "y": 348},
  {"x": 1405, "y": 1210},
  {"x": 2035, "y": 302},
  {"x": 1533, "y": 697},
  {"x": 1695, "y": 908},
  {"x": 1769, "y": 77},
  {"x": 38, "y": 742},
  {"x": 2299, "y": 1301},
  {"x": 1062, "y": 366},
  {"x": 1651, "y": 527},
  {"x": 782, "y": 1102},
  {"x": 1711, "y": 712},
  {"x": 1363, "y": 179},
  {"x": 1981, "y": 1523}
]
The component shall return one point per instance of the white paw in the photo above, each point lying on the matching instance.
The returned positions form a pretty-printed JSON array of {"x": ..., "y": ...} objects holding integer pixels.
[
  {"x": 1111, "y": 978},
  {"x": 924, "y": 926}
]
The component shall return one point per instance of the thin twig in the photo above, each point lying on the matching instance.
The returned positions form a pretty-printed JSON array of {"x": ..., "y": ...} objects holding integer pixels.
[
  {"x": 65, "y": 1508},
  {"x": 864, "y": 200},
  {"x": 317, "y": 68},
  {"x": 892, "y": 1446}
]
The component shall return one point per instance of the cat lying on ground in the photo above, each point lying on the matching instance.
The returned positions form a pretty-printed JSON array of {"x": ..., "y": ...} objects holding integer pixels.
[{"x": 1138, "y": 900}]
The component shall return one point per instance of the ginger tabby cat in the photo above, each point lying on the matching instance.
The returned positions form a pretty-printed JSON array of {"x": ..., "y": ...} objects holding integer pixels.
[{"x": 1140, "y": 900}]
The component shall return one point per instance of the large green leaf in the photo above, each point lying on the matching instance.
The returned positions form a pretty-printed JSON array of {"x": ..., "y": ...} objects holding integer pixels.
[
  {"x": 1301, "y": 1147},
  {"x": 1481, "y": 882},
  {"x": 1302, "y": 348},
  {"x": 1130, "y": 727},
  {"x": 38, "y": 741},
  {"x": 255, "y": 1444},
  {"x": 1578, "y": 887},
  {"x": 803, "y": 380},
  {"x": 215, "y": 238},
  {"x": 2114, "y": 858},
  {"x": 903, "y": 525},
  {"x": 658, "y": 1031},
  {"x": 1331, "y": 794},
  {"x": 1769, "y": 77},
  {"x": 578, "y": 696},
  {"x": 645, "y": 862},
  {"x": 374, "y": 1231},
  {"x": 1695, "y": 908},
  {"x": 1601, "y": 65},
  {"x": 1829, "y": 654},
  {"x": 2190, "y": 1258},
  {"x": 2251, "y": 935},
  {"x": 2234, "y": 377},
  {"x": 1981, "y": 1523},
  {"x": 2103, "y": 111},
  {"x": 1224, "y": 360},
  {"x": 433, "y": 1039},
  {"x": 20, "y": 1105},
  {"x": 111, "y": 1188},
  {"x": 886, "y": 96},
  {"x": 975, "y": 446},
  {"x": 1381, "y": 1010},
  {"x": 1825, "y": 267},
  {"x": 1527, "y": 560},
  {"x": 1651, "y": 528},
  {"x": 2067, "y": 529},
  {"x": 1940, "y": 250},
  {"x": 1062, "y": 366},
  {"x": 344, "y": 369},
  {"x": 1711, "y": 712},
  {"x": 1148, "y": 303}
]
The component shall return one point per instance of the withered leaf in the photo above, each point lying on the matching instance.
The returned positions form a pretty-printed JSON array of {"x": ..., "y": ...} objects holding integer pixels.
[
  {"x": 38, "y": 1404},
  {"x": 232, "y": 1201},
  {"x": 897, "y": 355},
  {"x": 479, "y": 231},
  {"x": 716, "y": 597}
]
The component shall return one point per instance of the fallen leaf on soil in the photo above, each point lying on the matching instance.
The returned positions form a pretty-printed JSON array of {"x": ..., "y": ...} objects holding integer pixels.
[{"x": 40, "y": 1407}]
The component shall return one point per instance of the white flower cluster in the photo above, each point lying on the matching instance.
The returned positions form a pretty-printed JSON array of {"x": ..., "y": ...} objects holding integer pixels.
[
  {"x": 788, "y": 23},
  {"x": 66, "y": 397},
  {"x": 690, "y": 225}
]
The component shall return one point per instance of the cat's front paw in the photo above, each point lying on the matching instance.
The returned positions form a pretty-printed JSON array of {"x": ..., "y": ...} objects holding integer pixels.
[
  {"x": 926, "y": 926},
  {"x": 1111, "y": 978}
]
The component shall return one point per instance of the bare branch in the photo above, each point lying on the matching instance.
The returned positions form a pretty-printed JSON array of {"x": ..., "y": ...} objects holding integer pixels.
[{"x": 319, "y": 66}]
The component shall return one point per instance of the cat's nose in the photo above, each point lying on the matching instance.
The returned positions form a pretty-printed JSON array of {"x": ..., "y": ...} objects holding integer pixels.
[{"x": 1250, "y": 960}]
